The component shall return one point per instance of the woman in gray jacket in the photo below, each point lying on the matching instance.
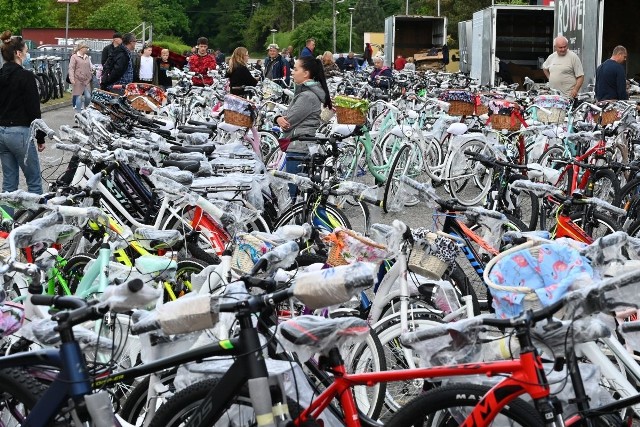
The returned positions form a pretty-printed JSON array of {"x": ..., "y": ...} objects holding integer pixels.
[{"x": 303, "y": 115}]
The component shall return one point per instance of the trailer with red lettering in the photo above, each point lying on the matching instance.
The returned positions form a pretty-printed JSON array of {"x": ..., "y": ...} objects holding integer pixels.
[{"x": 595, "y": 27}]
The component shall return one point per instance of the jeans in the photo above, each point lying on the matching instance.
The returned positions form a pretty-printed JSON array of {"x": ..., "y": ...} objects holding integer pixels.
[
  {"x": 76, "y": 99},
  {"x": 14, "y": 147},
  {"x": 293, "y": 162}
]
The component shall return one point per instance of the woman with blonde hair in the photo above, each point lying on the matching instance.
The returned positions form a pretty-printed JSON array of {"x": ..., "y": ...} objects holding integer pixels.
[
  {"x": 238, "y": 73},
  {"x": 80, "y": 76},
  {"x": 330, "y": 67}
]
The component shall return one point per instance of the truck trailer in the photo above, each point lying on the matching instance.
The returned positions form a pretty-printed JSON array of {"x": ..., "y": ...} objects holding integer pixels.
[
  {"x": 595, "y": 27},
  {"x": 511, "y": 42},
  {"x": 408, "y": 35}
]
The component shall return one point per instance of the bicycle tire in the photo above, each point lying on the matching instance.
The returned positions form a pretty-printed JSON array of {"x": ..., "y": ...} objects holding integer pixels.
[
  {"x": 459, "y": 279},
  {"x": 464, "y": 173},
  {"x": 40, "y": 86},
  {"x": 19, "y": 392},
  {"x": 457, "y": 397},
  {"x": 175, "y": 411},
  {"x": 297, "y": 214},
  {"x": 46, "y": 86},
  {"x": 606, "y": 186},
  {"x": 135, "y": 404},
  {"x": 399, "y": 168},
  {"x": 186, "y": 268},
  {"x": 548, "y": 159},
  {"x": 605, "y": 225},
  {"x": 73, "y": 271},
  {"x": 522, "y": 204}
]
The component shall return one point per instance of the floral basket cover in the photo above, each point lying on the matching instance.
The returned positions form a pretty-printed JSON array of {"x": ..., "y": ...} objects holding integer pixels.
[
  {"x": 271, "y": 89},
  {"x": 552, "y": 101},
  {"x": 457, "y": 95},
  {"x": 239, "y": 105},
  {"x": 356, "y": 248},
  {"x": 102, "y": 96},
  {"x": 503, "y": 107},
  {"x": 549, "y": 272},
  {"x": 146, "y": 89},
  {"x": 11, "y": 318}
]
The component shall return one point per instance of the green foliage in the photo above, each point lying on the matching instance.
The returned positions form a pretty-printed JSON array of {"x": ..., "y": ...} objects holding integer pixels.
[
  {"x": 122, "y": 15},
  {"x": 17, "y": 14},
  {"x": 321, "y": 29},
  {"x": 173, "y": 43},
  {"x": 167, "y": 16}
]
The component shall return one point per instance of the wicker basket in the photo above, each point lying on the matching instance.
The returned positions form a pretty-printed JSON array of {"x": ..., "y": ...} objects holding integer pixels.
[
  {"x": 338, "y": 238},
  {"x": 608, "y": 117},
  {"x": 557, "y": 116},
  {"x": 426, "y": 265},
  {"x": 461, "y": 108},
  {"x": 248, "y": 249},
  {"x": 481, "y": 109},
  {"x": 502, "y": 121},
  {"x": 237, "y": 119},
  {"x": 350, "y": 116}
]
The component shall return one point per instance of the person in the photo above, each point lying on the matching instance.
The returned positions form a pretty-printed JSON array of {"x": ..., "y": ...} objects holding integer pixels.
[
  {"x": 400, "y": 63},
  {"x": 611, "y": 78},
  {"x": 275, "y": 66},
  {"x": 368, "y": 53},
  {"x": 117, "y": 41},
  {"x": 258, "y": 65},
  {"x": 290, "y": 57},
  {"x": 445, "y": 55},
  {"x": 19, "y": 106},
  {"x": 302, "y": 118},
  {"x": 330, "y": 67},
  {"x": 118, "y": 70},
  {"x": 410, "y": 66},
  {"x": 238, "y": 73},
  {"x": 563, "y": 68},
  {"x": 340, "y": 61},
  {"x": 145, "y": 68},
  {"x": 164, "y": 64},
  {"x": 307, "y": 50},
  {"x": 220, "y": 59},
  {"x": 80, "y": 75},
  {"x": 350, "y": 63},
  {"x": 201, "y": 63},
  {"x": 381, "y": 74}
]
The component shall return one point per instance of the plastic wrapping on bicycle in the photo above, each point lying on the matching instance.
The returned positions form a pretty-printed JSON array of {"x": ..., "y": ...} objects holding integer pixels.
[
  {"x": 21, "y": 199},
  {"x": 361, "y": 192},
  {"x": 492, "y": 161},
  {"x": 204, "y": 149},
  {"x": 585, "y": 136},
  {"x": 210, "y": 125},
  {"x": 589, "y": 166},
  {"x": 183, "y": 165}
]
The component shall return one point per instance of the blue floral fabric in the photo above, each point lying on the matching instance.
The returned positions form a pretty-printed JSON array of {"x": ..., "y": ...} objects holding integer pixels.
[{"x": 550, "y": 274}]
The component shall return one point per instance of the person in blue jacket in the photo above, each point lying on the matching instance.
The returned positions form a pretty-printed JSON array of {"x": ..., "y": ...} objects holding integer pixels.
[
  {"x": 611, "y": 77},
  {"x": 275, "y": 66}
]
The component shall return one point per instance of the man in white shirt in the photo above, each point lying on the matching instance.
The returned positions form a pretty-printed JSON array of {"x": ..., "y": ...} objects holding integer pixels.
[{"x": 563, "y": 68}]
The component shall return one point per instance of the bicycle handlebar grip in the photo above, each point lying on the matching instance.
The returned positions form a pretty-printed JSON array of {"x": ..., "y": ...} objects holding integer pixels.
[
  {"x": 333, "y": 286},
  {"x": 67, "y": 302},
  {"x": 432, "y": 332},
  {"x": 626, "y": 327},
  {"x": 135, "y": 285},
  {"x": 74, "y": 148}
]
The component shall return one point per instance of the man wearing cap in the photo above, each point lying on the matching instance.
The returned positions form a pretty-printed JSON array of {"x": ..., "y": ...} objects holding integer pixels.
[
  {"x": 275, "y": 66},
  {"x": 118, "y": 70},
  {"x": 117, "y": 41}
]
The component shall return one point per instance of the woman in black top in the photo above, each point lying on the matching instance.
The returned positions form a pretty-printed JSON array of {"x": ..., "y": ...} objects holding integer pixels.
[
  {"x": 238, "y": 73},
  {"x": 19, "y": 106},
  {"x": 164, "y": 65}
]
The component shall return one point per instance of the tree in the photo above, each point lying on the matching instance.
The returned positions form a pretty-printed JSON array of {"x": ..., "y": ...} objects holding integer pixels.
[
  {"x": 368, "y": 17},
  {"x": 167, "y": 16},
  {"x": 18, "y": 14},
  {"x": 122, "y": 15}
]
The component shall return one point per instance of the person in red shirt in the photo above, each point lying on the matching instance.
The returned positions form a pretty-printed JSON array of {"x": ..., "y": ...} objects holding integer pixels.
[
  {"x": 201, "y": 63},
  {"x": 400, "y": 63}
]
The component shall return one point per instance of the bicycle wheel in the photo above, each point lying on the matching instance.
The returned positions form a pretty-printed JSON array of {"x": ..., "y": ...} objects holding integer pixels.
[
  {"x": 19, "y": 392},
  {"x": 186, "y": 269},
  {"x": 45, "y": 95},
  {"x": 177, "y": 410},
  {"x": 268, "y": 143},
  {"x": 469, "y": 181},
  {"x": 550, "y": 159},
  {"x": 522, "y": 204},
  {"x": 134, "y": 408},
  {"x": 596, "y": 225},
  {"x": 328, "y": 217},
  {"x": 400, "y": 167},
  {"x": 73, "y": 272},
  {"x": 606, "y": 186},
  {"x": 399, "y": 393},
  {"x": 449, "y": 405}
]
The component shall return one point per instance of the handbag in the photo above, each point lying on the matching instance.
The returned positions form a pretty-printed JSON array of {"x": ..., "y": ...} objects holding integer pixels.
[{"x": 68, "y": 80}]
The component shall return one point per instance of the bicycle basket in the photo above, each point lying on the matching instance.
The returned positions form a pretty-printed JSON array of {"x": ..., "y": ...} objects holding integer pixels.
[
  {"x": 239, "y": 111},
  {"x": 556, "y": 104},
  {"x": 609, "y": 113},
  {"x": 461, "y": 102},
  {"x": 533, "y": 275},
  {"x": 248, "y": 250},
  {"x": 350, "y": 110},
  {"x": 432, "y": 255},
  {"x": 348, "y": 247}
]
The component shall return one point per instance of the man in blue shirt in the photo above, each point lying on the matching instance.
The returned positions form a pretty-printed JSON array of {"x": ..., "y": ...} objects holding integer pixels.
[
  {"x": 611, "y": 80},
  {"x": 308, "y": 49}
]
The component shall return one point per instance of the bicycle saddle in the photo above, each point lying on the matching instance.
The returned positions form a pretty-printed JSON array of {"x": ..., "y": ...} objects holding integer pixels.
[
  {"x": 227, "y": 127},
  {"x": 204, "y": 149},
  {"x": 195, "y": 129},
  {"x": 457, "y": 128},
  {"x": 343, "y": 130},
  {"x": 151, "y": 238},
  {"x": 320, "y": 332},
  {"x": 184, "y": 165}
]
